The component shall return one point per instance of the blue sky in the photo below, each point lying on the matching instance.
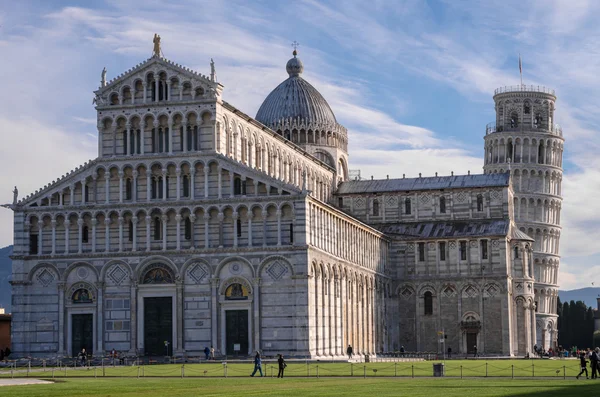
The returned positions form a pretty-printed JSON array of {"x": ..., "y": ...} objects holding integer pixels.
[{"x": 412, "y": 80}]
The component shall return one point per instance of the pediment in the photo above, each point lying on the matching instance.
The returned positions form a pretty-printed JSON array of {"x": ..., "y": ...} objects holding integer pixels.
[{"x": 155, "y": 66}]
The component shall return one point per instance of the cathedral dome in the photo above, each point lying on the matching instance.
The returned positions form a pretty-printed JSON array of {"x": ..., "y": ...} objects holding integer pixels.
[{"x": 295, "y": 100}]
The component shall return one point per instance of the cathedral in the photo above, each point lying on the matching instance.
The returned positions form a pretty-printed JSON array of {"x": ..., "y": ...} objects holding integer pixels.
[{"x": 198, "y": 225}]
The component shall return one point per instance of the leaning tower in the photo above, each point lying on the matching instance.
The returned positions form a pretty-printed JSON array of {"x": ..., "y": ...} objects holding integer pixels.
[{"x": 525, "y": 140}]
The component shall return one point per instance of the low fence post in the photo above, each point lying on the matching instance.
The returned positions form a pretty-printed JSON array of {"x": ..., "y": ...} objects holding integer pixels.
[
  {"x": 486, "y": 369},
  {"x": 317, "y": 371},
  {"x": 138, "y": 372},
  {"x": 103, "y": 370},
  {"x": 512, "y": 371},
  {"x": 182, "y": 370},
  {"x": 12, "y": 367},
  {"x": 395, "y": 369},
  {"x": 412, "y": 370},
  {"x": 225, "y": 369},
  {"x": 461, "y": 371},
  {"x": 364, "y": 371},
  {"x": 564, "y": 372},
  {"x": 532, "y": 370},
  {"x": 65, "y": 371}
]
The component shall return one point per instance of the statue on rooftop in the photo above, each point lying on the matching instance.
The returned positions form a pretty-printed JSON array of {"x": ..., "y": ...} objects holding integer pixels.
[
  {"x": 156, "y": 42},
  {"x": 103, "y": 78},
  {"x": 15, "y": 196}
]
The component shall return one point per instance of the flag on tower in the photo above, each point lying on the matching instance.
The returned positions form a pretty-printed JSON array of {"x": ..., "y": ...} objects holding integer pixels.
[{"x": 521, "y": 68}]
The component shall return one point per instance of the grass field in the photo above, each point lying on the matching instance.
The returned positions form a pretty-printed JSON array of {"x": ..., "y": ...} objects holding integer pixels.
[
  {"x": 175, "y": 387},
  {"x": 453, "y": 368}
]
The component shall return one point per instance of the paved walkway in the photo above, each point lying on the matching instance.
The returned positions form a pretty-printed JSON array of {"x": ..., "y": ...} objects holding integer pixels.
[{"x": 18, "y": 382}]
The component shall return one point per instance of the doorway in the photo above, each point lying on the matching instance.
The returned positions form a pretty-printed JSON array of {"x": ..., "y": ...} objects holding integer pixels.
[
  {"x": 158, "y": 326},
  {"x": 82, "y": 333},
  {"x": 236, "y": 334},
  {"x": 471, "y": 342}
]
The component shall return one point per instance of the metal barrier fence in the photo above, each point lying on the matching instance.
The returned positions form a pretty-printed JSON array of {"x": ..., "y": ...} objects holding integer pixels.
[{"x": 103, "y": 367}]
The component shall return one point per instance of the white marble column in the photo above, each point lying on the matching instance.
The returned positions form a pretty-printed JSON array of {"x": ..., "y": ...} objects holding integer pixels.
[
  {"x": 107, "y": 187},
  {"x": 120, "y": 220},
  {"x": 94, "y": 224},
  {"x": 164, "y": 219},
  {"x": 179, "y": 316},
  {"x": 67, "y": 224},
  {"x": 214, "y": 283},
  {"x": 206, "y": 173},
  {"x": 178, "y": 183},
  {"x": 80, "y": 238},
  {"x": 53, "y": 223},
  {"x": 250, "y": 216},
  {"x": 193, "y": 231},
  {"x": 61, "y": 318},
  {"x": 134, "y": 222},
  {"x": 134, "y": 187},
  {"x": 121, "y": 175},
  {"x": 107, "y": 235},
  {"x": 192, "y": 183},
  {"x": 148, "y": 235},
  {"x": 220, "y": 182},
  {"x": 235, "y": 217},
  {"x": 148, "y": 185},
  {"x": 278, "y": 227},
  {"x": 256, "y": 303},
  {"x": 178, "y": 231},
  {"x": 164, "y": 185},
  {"x": 133, "y": 317},
  {"x": 100, "y": 319},
  {"x": 206, "y": 225}
]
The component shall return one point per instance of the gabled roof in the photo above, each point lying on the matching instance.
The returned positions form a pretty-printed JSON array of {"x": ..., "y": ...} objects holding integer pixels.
[
  {"x": 427, "y": 183},
  {"x": 151, "y": 61},
  {"x": 446, "y": 229}
]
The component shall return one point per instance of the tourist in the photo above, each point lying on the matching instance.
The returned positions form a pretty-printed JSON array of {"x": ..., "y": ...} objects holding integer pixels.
[
  {"x": 6, "y": 352},
  {"x": 83, "y": 357},
  {"x": 212, "y": 353},
  {"x": 257, "y": 364},
  {"x": 583, "y": 366},
  {"x": 206, "y": 352},
  {"x": 449, "y": 352},
  {"x": 594, "y": 364},
  {"x": 282, "y": 366},
  {"x": 474, "y": 351},
  {"x": 402, "y": 350},
  {"x": 349, "y": 352}
]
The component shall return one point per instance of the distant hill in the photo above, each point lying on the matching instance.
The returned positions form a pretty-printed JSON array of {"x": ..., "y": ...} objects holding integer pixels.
[
  {"x": 5, "y": 272},
  {"x": 587, "y": 295}
]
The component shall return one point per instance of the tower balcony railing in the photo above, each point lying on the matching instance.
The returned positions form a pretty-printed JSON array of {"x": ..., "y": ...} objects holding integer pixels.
[
  {"x": 524, "y": 88},
  {"x": 554, "y": 129}
]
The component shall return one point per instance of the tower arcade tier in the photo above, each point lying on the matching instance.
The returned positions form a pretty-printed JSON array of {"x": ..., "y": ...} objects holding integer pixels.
[{"x": 525, "y": 140}]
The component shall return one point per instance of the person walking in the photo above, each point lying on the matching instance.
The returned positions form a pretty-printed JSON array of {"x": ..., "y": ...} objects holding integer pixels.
[
  {"x": 206, "y": 352},
  {"x": 594, "y": 364},
  {"x": 83, "y": 357},
  {"x": 212, "y": 353},
  {"x": 282, "y": 366},
  {"x": 475, "y": 351},
  {"x": 583, "y": 366},
  {"x": 257, "y": 364},
  {"x": 349, "y": 352}
]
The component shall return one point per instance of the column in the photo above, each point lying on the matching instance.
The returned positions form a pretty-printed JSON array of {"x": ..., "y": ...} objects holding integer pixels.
[
  {"x": 53, "y": 222},
  {"x": 231, "y": 180},
  {"x": 120, "y": 220},
  {"x": 235, "y": 217},
  {"x": 148, "y": 184},
  {"x": 214, "y": 283},
  {"x": 220, "y": 217},
  {"x": 184, "y": 136},
  {"x": 192, "y": 183},
  {"x": 250, "y": 216},
  {"x": 107, "y": 235},
  {"x": 178, "y": 230},
  {"x": 142, "y": 138},
  {"x": 72, "y": 195},
  {"x": 178, "y": 183},
  {"x": 145, "y": 85},
  {"x": 94, "y": 223},
  {"x": 206, "y": 172},
  {"x": 179, "y": 317},
  {"x": 170, "y": 137},
  {"x": 193, "y": 232},
  {"x": 133, "y": 317},
  {"x": 67, "y": 224},
  {"x": 148, "y": 236},
  {"x": 107, "y": 187},
  {"x": 256, "y": 298},
  {"x": 164, "y": 219},
  {"x": 134, "y": 222},
  {"x": 100, "y": 318},
  {"x": 61, "y": 318},
  {"x": 121, "y": 175},
  {"x": 278, "y": 227},
  {"x": 220, "y": 183},
  {"x": 206, "y": 219},
  {"x": 155, "y": 90},
  {"x": 134, "y": 193},
  {"x": 130, "y": 143},
  {"x": 164, "y": 185},
  {"x": 79, "y": 240}
]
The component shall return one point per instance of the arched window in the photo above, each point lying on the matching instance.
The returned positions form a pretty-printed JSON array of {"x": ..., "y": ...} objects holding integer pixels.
[
  {"x": 375, "y": 207},
  {"x": 291, "y": 233},
  {"x": 85, "y": 234},
  {"x": 186, "y": 186},
  {"x": 509, "y": 151},
  {"x": 125, "y": 143},
  {"x": 541, "y": 154},
  {"x": 527, "y": 108},
  {"x": 428, "y": 303},
  {"x": 188, "y": 228},
  {"x": 407, "y": 208},
  {"x": 33, "y": 244},
  {"x": 537, "y": 121},
  {"x": 442, "y": 205},
  {"x": 239, "y": 227},
  {"x": 167, "y": 187},
  {"x": 514, "y": 120},
  {"x": 516, "y": 252},
  {"x": 138, "y": 141},
  {"x": 86, "y": 193},
  {"x": 157, "y": 228},
  {"x": 341, "y": 202},
  {"x": 479, "y": 203},
  {"x": 128, "y": 189},
  {"x": 237, "y": 186},
  {"x": 130, "y": 230}
]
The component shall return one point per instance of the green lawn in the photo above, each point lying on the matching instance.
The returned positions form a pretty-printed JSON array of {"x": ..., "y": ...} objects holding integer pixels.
[
  {"x": 307, "y": 387},
  {"x": 454, "y": 368}
]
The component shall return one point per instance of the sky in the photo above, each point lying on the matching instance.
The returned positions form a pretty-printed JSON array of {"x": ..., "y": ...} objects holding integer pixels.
[{"x": 412, "y": 80}]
